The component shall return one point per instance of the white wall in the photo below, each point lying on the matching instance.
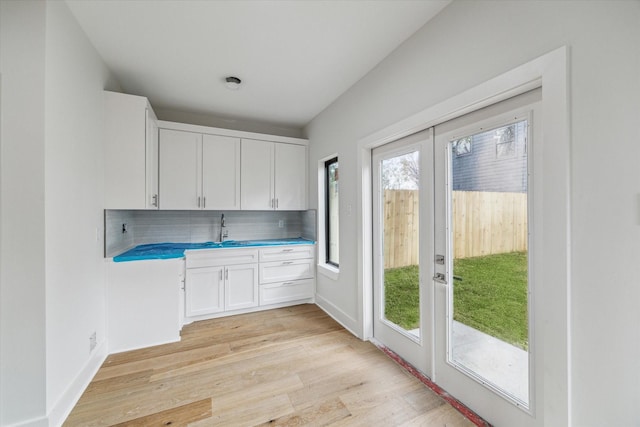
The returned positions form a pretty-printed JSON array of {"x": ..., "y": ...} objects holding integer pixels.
[
  {"x": 225, "y": 123},
  {"x": 22, "y": 222},
  {"x": 74, "y": 203},
  {"x": 53, "y": 293},
  {"x": 467, "y": 44}
]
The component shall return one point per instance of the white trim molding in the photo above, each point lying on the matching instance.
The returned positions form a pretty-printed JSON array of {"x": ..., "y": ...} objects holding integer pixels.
[{"x": 62, "y": 408}]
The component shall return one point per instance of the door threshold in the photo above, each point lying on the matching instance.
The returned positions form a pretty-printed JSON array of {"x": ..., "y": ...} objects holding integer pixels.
[{"x": 459, "y": 406}]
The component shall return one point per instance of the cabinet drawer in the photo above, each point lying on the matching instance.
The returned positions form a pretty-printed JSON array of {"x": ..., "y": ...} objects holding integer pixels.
[
  {"x": 217, "y": 257},
  {"x": 275, "y": 293},
  {"x": 282, "y": 271},
  {"x": 287, "y": 252}
]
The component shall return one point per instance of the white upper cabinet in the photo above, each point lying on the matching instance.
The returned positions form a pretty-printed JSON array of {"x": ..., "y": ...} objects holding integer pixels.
[
  {"x": 290, "y": 177},
  {"x": 273, "y": 176},
  {"x": 221, "y": 172},
  {"x": 199, "y": 171},
  {"x": 131, "y": 152},
  {"x": 180, "y": 170},
  {"x": 257, "y": 175}
]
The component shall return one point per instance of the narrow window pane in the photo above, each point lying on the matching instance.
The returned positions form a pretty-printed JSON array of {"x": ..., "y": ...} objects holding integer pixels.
[
  {"x": 332, "y": 213},
  {"x": 489, "y": 335}
]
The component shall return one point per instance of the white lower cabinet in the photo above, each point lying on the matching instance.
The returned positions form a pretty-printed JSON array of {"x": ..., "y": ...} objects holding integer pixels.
[
  {"x": 204, "y": 291},
  {"x": 287, "y": 274},
  {"x": 239, "y": 280},
  {"x": 220, "y": 280},
  {"x": 241, "y": 286}
]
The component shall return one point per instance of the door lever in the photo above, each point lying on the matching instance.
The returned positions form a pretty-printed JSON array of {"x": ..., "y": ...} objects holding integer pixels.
[{"x": 440, "y": 278}]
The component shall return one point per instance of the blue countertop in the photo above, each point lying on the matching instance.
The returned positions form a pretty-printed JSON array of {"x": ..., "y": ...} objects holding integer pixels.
[{"x": 176, "y": 250}]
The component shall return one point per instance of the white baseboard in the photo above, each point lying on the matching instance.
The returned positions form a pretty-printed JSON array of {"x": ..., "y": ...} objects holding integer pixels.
[
  {"x": 147, "y": 344},
  {"x": 62, "y": 408},
  {"x": 348, "y": 322},
  {"x": 34, "y": 422}
]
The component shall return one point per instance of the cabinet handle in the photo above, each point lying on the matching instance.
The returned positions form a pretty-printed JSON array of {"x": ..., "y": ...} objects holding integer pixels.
[
  {"x": 220, "y": 274},
  {"x": 287, "y": 262},
  {"x": 287, "y": 250},
  {"x": 204, "y": 202},
  {"x": 288, "y": 283},
  {"x": 154, "y": 200},
  {"x": 198, "y": 201},
  {"x": 226, "y": 274},
  {"x": 272, "y": 204},
  {"x": 276, "y": 203}
]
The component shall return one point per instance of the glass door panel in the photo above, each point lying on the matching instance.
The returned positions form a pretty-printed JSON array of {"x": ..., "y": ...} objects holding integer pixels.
[
  {"x": 400, "y": 238},
  {"x": 488, "y": 332},
  {"x": 402, "y": 201}
]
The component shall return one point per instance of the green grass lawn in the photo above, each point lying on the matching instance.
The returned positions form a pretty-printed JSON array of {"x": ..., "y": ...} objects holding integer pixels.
[
  {"x": 490, "y": 296},
  {"x": 402, "y": 296}
]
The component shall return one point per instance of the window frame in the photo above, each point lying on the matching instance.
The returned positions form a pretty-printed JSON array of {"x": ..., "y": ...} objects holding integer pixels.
[{"x": 327, "y": 213}]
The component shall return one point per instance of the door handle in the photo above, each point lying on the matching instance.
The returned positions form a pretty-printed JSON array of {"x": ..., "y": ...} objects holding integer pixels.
[{"x": 440, "y": 278}]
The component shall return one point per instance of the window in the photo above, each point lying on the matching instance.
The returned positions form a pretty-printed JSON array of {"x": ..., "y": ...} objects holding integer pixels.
[
  {"x": 332, "y": 225},
  {"x": 505, "y": 142},
  {"x": 462, "y": 146}
]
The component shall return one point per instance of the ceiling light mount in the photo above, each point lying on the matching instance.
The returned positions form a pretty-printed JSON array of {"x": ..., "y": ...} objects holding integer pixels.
[{"x": 232, "y": 82}]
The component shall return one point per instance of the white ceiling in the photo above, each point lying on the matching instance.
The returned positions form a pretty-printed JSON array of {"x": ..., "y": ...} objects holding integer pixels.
[{"x": 294, "y": 57}]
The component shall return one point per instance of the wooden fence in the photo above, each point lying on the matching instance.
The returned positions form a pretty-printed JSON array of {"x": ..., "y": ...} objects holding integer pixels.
[
  {"x": 401, "y": 233},
  {"x": 484, "y": 223}
]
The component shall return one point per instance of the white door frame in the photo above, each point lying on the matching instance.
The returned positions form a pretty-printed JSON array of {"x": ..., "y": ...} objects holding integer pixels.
[{"x": 550, "y": 72}]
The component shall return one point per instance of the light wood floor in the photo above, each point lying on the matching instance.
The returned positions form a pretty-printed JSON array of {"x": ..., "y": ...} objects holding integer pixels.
[{"x": 286, "y": 367}]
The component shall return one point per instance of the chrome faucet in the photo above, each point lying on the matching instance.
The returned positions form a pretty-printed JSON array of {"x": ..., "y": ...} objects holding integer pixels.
[{"x": 223, "y": 233}]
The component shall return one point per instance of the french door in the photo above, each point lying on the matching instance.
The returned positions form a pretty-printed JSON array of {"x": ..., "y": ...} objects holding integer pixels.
[
  {"x": 473, "y": 334},
  {"x": 402, "y": 247}
]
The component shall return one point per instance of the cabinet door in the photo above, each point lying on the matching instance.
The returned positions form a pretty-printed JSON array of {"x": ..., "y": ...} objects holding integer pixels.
[
  {"x": 256, "y": 171},
  {"x": 151, "y": 163},
  {"x": 290, "y": 176},
  {"x": 220, "y": 172},
  {"x": 124, "y": 151},
  {"x": 204, "y": 291},
  {"x": 241, "y": 286},
  {"x": 180, "y": 170}
]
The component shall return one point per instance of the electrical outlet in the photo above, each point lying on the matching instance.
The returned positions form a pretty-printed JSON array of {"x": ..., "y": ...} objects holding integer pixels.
[
  {"x": 93, "y": 341},
  {"x": 281, "y": 223}
]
